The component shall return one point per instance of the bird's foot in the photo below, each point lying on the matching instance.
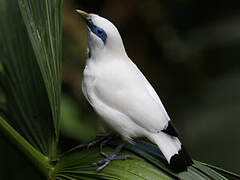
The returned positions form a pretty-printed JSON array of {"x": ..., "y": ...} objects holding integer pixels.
[
  {"x": 108, "y": 158},
  {"x": 102, "y": 139}
]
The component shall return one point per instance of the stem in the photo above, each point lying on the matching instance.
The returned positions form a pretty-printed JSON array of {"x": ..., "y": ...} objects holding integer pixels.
[{"x": 37, "y": 158}]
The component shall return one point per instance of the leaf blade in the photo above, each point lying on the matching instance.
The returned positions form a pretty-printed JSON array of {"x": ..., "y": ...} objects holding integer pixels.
[
  {"x": 146, "y": 164},
  {"x": 33, "y": 101},
  {"x": 43, "y": 23},
  {"x": 77, "y": 163}
]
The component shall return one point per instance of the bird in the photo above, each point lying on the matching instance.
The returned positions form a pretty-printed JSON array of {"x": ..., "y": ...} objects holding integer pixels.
[{"x": 120, "y": 93}]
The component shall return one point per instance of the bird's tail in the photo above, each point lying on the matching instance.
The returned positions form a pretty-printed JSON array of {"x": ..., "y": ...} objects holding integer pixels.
[{"x": 173, "y": 150}]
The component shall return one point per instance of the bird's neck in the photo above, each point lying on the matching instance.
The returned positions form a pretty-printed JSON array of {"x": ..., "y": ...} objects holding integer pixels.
[{"x": 109, "y": 50}]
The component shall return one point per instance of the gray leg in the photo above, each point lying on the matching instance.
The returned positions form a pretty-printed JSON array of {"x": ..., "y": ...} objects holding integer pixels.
[{"x": 105, "y": 138}]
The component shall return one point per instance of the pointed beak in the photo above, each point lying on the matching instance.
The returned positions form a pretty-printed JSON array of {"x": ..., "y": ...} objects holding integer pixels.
[{"x": 83, "y": 14}]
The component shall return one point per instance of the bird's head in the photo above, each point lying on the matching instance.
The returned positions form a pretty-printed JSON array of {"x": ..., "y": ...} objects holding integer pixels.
[{"x": 103, "y": 36}]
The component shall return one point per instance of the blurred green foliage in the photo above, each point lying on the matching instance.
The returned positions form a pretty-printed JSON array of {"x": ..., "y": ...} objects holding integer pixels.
[{"x": 73, "y": 124}]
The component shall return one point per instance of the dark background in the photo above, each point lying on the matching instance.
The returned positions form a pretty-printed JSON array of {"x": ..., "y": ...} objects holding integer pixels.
[{"x": 188, "y": 50}]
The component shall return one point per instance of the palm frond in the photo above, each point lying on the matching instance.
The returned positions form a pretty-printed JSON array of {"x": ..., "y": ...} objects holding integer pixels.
[
  {"x": 147, "y": 163},
  {"x": 152, "y": 154},
  {"x": 77, "y": 164},
  {"x": 30, "y": 73},
  {"x": 43, "y": 23}
]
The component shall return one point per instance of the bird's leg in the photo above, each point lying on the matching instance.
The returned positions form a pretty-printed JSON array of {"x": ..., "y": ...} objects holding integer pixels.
[
  {"x": 110, "y": 157},
  {"x": 104, "y": 138}
]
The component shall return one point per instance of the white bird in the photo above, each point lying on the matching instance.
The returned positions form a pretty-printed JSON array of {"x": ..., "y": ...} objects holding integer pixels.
[{"x": 123, "y": 97}]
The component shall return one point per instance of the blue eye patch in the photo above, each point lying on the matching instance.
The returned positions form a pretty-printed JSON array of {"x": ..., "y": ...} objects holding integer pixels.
[{"x": 97, "y": 30}]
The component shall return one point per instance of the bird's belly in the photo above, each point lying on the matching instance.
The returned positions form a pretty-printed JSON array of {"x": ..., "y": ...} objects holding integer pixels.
[
  {"x": 117, "y": 121},
  {"x": 120, "y": 123}
]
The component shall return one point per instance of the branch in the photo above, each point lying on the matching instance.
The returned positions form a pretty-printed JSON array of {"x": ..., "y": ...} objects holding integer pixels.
[{"x": 37, "y": 158}]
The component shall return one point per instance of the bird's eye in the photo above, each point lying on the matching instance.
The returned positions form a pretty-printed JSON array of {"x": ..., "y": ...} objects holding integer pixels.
[{"x": 99, "y": 31}]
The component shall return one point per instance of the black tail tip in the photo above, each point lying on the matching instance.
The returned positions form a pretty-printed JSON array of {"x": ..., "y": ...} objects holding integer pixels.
[{"x": 180, "y": 162}]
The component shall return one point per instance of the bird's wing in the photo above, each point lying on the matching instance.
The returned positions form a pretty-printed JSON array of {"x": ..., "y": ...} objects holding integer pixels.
[
  {"x": 170, "y": 128},
  {"x": 120, "y": 86},
  {"x": 149, "y": 88}
]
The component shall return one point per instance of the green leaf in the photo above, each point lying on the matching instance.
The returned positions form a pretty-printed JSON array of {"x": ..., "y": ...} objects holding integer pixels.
[
  {"x": 72, "y": 123},
  {"x": 43, "y": 22},
  {"x": 147, "y": 163},
  {"x": 151, "y": 153},
  {"x": 76, "y": 164},
  {"x": 30, "y": 69}
]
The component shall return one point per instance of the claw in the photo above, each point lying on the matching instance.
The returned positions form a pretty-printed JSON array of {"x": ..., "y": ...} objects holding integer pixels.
[{"x": 103, "y": 166}]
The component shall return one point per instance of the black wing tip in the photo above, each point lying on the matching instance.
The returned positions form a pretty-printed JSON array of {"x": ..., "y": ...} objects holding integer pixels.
[
  {"x": 180, "y": 162},
  {"x": 171, "y": 130}
]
